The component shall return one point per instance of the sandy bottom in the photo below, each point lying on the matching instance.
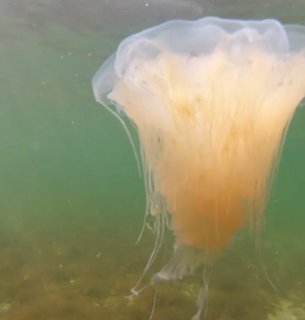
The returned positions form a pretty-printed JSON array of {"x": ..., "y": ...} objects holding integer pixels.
[
  {"x": 53, "y": 269},
  {"x": 293, "y": 309}
]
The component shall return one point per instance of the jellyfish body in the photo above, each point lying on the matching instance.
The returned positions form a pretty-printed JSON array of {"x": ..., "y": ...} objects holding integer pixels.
[{"x": 212, "y": 100}]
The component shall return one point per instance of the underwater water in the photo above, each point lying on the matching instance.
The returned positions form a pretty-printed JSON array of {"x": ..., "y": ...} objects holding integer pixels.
[{"x": 72, "y": 201}]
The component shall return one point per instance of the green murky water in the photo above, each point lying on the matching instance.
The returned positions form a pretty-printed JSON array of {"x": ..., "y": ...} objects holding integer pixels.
[{"x": 72, "y": 202}]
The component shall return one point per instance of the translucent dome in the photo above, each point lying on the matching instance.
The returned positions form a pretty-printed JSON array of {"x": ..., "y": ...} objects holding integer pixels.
[{"x": 197, "y": 38}]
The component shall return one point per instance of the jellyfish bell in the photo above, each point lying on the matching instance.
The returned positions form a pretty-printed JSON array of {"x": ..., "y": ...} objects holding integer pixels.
[{"x": 212, "y": 100}]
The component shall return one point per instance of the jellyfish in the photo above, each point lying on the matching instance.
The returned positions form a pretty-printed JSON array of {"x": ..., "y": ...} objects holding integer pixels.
[{"x": 212, "y": 100}]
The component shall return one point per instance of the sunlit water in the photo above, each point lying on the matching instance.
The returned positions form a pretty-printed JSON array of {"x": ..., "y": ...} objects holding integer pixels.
[{"x": 72, "y": 202}]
